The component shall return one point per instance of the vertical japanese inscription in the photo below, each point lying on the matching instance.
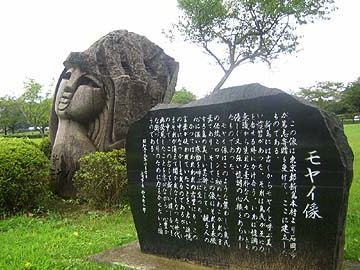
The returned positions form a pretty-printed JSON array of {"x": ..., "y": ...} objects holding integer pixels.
[
  {"x": 312, "y": 210},
  {"x": 285, "y": 143},
  {"x": 144, "y": 175},
  {"x": 253, "y": 180},
  {"x": 195, "y": 158}
]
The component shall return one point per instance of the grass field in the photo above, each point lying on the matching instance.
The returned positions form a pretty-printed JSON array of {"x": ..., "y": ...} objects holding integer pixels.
[
  {"x": 352, "y": 246},
  {"x": 62, "y": 240},
  {"x": 69, "y": 233}
]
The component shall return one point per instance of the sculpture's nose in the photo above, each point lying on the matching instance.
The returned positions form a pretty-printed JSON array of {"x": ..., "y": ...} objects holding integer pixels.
[
  {"x": 66, "y": 95},
  {"x": 71, "y": 84},
  {"x": 69, "y": 87}
]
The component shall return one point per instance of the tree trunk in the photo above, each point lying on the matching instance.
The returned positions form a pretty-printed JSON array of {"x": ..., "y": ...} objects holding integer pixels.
[
  {"x": 42, "y": 132},
  {"x": 5, "y": 131},
  {"x": 224, "y": 78}
]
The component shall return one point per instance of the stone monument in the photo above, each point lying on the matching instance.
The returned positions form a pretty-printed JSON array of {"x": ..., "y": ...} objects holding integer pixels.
[
  {"x": 246, "y": 177},
  {"x": 100, "y": 92}
]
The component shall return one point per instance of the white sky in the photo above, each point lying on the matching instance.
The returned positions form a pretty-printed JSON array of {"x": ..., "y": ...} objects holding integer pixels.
[{"x": 36, "y": 37}]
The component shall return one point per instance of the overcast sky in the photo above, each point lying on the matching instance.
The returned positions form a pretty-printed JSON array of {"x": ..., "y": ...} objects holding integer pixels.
[{"x": 36, "y": 37}]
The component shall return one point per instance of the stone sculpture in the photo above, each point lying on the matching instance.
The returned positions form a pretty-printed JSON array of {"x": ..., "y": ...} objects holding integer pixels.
[{"x": 100, "y": 92}]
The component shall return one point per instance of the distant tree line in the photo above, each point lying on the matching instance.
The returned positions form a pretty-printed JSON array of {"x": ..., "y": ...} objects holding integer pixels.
[
  {"x": 31, "y": 109},
  {"x": 335, "y": 97}
]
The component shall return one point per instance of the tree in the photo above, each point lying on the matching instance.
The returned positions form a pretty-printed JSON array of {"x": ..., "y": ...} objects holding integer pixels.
[
  {"x": 351, "y": 96},
  {"x": 36, "y": 105},
  {"x": 326, "y": 95},
  {"x": 183, "y": 96},
  {"x": 233, "y": 32},
  {"x": 10, "y": 113}
]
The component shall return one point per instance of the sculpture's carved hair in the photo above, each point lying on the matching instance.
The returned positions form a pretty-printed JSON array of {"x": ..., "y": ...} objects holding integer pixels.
[{"x": 131, "y": 68}]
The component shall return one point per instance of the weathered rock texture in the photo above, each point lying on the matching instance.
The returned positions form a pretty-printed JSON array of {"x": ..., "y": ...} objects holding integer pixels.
[
  {"x": 248, "y": 177},
  {"x": 100, "y": 92}
]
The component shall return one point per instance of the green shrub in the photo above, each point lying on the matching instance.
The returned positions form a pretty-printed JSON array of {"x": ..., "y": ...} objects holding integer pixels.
[
  {"x": 45, "y": 146},
  {"x": 101, "y": 179},
  {"x": 27, "y": 140},
  {"x": 24, "y": 175}
]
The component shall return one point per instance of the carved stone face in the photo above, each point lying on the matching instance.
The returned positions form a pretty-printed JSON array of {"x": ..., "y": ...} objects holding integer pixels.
[
  {"x": 80, "y": 97},
  {"x": 100, "y": 93}
]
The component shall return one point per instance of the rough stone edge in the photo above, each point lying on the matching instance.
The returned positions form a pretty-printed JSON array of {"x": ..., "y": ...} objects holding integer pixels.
[
  {"x": 336, "y": 130},
  {"x": 337, "y": 134}
]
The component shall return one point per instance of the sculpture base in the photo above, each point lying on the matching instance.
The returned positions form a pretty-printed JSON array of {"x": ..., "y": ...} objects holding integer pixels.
[{"x": 130, "y": 256}]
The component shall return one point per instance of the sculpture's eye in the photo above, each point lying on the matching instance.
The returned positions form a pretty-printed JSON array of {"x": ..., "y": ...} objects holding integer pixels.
[
  {"x": 88, "y": 81},
  {"x": 67, "y": 75}
]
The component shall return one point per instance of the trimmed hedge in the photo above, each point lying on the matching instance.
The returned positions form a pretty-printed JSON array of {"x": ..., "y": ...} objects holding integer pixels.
[
  {"x": 24, "y": 175},
  {"x": 23, "y": 135},
  {"x": 45, "y": 147},
  {"x": 102, "y": 179}
]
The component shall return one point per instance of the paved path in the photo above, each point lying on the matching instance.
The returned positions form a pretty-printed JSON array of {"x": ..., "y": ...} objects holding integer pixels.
[{"x": 351, "y": 266}]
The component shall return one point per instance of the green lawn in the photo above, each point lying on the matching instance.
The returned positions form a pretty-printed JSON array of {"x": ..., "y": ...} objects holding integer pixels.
[
  {"x": 62, "y": 241},
  {"x": 352, "y": 247},
  {"x": 69, "y": 233}
]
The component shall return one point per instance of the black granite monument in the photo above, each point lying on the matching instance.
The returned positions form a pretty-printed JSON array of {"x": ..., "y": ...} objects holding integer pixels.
[{"x": 248, "y": 176}]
